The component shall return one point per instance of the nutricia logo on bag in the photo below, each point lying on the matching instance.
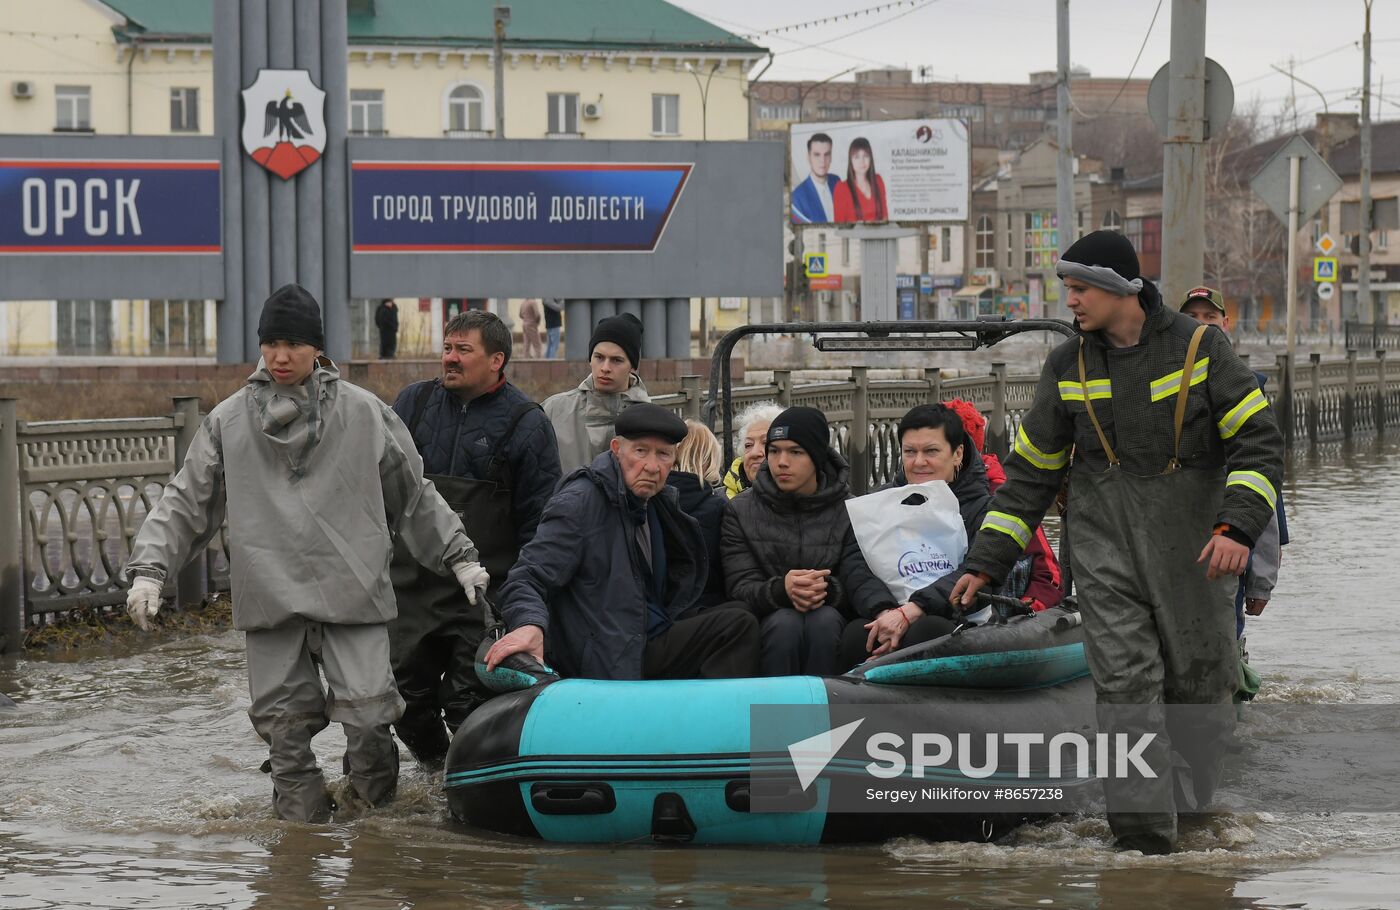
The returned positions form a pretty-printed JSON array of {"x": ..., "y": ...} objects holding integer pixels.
[{"x": 924, "y": 560}]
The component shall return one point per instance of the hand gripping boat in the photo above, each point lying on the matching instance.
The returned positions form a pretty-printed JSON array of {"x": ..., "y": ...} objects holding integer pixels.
[{"x": 606, "y": 761}]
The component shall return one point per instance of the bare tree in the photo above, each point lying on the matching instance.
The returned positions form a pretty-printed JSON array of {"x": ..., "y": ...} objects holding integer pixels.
[{"x": 1244, "y": 242}]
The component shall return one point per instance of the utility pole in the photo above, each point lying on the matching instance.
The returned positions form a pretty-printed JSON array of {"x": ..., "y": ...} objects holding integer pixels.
[
  {"x": 1064, "y": 174},
  {"x": 1363, "y": 277},
  {"x": 501, "y": 15},
  {"x": 1183, "y": 156}
]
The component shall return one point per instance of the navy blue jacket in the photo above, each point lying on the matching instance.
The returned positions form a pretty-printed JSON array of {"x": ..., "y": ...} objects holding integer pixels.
[
  {"x": 457, "y": 439},
  {"x": 581, "y": 581}
]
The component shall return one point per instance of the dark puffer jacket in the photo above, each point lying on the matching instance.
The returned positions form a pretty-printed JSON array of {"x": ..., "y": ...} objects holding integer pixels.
[
  {"x": 766, "y": 533},
  {"x": 700, "y": 501},
  {"x": 457, "y": 439},
  {"x": 580, "y": 579}
]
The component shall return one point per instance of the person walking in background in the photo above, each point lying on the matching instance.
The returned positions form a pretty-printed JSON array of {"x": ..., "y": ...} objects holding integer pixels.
[
  {"x": 386, "y": 320},
  {"x": 861, "y": 196},
  {"x": 553, "y": 323},
  {"x": 530, "y": 328}
]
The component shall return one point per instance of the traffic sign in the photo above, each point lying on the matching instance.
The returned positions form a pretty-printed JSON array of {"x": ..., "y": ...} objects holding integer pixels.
[
  {"x": 815, "y": 264},
  {"x": 1326, "y": 290},
  {"x": 1220, "y": 100},
  {"x": 1316, "y": 181},
  {"x": 1325, "y": 244},
  {"x": 1324, "y": 269}
]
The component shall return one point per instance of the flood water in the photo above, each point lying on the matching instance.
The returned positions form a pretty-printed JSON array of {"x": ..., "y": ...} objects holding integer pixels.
[{"x": 129, "y": 779}]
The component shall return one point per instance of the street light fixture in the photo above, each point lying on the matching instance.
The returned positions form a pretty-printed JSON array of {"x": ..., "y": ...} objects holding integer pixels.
[{"x": 704, "y": 96}]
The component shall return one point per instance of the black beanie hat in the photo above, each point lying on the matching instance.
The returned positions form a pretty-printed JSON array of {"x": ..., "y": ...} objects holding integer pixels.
[
  {"x": 805, "y": 426},
  {"x": 1108, "y": 249},
  {"x": 625, "y": 331},
  {"x": 291, "y": 314}
]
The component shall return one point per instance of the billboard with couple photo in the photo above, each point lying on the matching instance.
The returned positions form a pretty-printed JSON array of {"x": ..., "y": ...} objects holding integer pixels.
[{"x": 875, "y": 171}]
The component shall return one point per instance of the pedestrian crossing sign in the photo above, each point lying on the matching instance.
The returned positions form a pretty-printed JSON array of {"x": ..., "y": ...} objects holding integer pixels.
[
  {"x": 1324, "y": 268},
  {"x": 815, "y": 264}
]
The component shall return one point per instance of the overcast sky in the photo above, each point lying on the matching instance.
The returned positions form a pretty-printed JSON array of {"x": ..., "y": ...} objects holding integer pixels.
[{"x": 1005, "y": 40}]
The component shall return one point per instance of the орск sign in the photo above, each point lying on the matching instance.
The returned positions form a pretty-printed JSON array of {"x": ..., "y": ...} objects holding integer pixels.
[
  {"x": 109, "y": 206},
  {"x": 110, "y": 217}
]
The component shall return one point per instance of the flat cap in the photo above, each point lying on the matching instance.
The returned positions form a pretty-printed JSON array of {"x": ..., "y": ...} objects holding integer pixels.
[{"x": 642, "y": 420}]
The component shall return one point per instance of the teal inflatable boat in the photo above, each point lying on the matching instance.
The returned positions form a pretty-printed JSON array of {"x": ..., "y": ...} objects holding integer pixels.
[{"x": 602, "y": 761}]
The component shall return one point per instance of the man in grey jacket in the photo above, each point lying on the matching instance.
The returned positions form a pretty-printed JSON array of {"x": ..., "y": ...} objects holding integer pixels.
[
  {"x": 315, "y": 475},
  {"x": 583, "y": 418}
]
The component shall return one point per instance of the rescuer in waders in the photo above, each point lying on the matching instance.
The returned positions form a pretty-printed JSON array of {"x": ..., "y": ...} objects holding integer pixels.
[
  {"x": 1176, "y": 466},
  {"x": 315, "y": 475},
  {"x": 490, "y": 452}
]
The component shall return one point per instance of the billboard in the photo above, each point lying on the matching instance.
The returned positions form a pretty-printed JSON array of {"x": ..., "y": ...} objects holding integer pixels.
[{"x": 875, "y": 171}]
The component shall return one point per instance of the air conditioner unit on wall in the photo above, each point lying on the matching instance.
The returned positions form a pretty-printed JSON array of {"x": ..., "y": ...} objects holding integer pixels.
[
  {"x": 592, "y": 110},
  {"x": 22, "y": 88}
]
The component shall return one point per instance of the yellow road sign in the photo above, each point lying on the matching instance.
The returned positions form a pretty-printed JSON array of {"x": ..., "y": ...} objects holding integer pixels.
[
  {"x": 815, "y": 264},
  {"x": 1324, "y": 268}
]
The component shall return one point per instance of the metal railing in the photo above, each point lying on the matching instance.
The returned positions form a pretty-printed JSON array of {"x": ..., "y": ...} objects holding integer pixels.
[{"x": 73, "y": 493}]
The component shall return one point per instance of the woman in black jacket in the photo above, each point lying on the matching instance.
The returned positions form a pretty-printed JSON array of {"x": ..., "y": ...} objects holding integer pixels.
[
  {"x": 934, "y": 445},
  {"x": 789, "y": 552},
  {"x": 696, "y": 479}
]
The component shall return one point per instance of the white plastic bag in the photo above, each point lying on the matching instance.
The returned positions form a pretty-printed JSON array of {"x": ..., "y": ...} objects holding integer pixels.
[{"x": 911, "y": 536}]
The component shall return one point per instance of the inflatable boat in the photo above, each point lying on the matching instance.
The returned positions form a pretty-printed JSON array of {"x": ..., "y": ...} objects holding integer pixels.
[{"x": 604, "y": 761}]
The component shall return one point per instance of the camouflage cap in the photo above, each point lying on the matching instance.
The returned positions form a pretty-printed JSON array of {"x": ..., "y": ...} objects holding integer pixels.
[{"x": 1209, "y": 295}]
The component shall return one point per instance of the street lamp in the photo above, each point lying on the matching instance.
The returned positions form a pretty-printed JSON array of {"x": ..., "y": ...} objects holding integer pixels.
[{"x": 704, "y": 96}]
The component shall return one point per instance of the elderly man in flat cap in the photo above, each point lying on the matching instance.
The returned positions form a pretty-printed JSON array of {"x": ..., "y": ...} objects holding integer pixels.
[{"x": 608, "y": 586}]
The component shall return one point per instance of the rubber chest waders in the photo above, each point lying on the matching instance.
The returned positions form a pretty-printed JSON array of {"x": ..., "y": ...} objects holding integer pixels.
[{"x": 1157, "y": 630}]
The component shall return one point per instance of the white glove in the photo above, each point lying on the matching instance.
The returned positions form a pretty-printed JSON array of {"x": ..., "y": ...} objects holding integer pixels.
[
  {"x": 473, "y": 578},
  {"x": 143, "y": 601}
]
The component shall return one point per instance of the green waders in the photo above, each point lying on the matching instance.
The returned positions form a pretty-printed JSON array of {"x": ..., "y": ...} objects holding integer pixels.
[{"x": 1157, "y": 632}]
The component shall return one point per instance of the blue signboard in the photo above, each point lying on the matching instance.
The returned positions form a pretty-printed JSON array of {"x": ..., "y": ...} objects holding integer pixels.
[
  {"x": 109, "y": 206},
  {"x": 906, "y": 303},
  {"x": 485, "y": 206}
]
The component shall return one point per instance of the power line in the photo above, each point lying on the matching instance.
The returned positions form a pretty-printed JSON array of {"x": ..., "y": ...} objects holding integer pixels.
[
  {"x": 1126, "y": 80},
  {"x": 920, "y": 4}
]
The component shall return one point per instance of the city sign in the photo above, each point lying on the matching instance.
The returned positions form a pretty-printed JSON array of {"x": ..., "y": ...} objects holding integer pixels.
[
  {"x": 73, "y": 206},
  {"x": 284, "y": 122}
]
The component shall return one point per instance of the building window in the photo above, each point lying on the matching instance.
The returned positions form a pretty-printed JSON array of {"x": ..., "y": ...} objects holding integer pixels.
[
  {"x": 563, "y": 113},
  {"x": 665, "y": 115},
  {"x": 845, "y": 251},
  {"x": 1010, "y": 240},
  {"x": 84, "y": 326},
  {"x": 779, "y": 112},
  {"x": 1112, "y": 221},
  {"x": 367, "y": 112},
  {"x": 74, "y": 109},
  {"x": 177, "y": 328},
  {"x": 184, "y": 110},
  {"x": 985, "y": 243},
  {"x": 946, "y": 238},
  {"x": 466, "y": 109},
  {"x": 843, "y": 112},
  {"x": 1042, "y": 239}
]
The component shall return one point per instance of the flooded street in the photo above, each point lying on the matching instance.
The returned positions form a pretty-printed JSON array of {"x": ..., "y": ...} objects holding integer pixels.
[{"x": 130, "y": 781}]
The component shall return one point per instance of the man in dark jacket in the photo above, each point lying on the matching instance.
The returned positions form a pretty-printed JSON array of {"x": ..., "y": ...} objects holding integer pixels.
[
  {"x": 490, "y": 451},
  {"x": 600, "y": 591},
  {"x": 386, "y": 320},
  {"x": 790, "y": 553}
]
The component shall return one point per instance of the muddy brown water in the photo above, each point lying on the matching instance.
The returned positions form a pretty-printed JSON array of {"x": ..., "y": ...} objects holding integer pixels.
[{"x": 129, "y": 779}]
